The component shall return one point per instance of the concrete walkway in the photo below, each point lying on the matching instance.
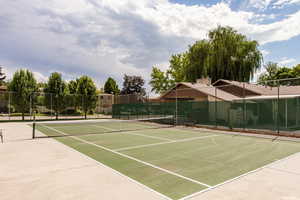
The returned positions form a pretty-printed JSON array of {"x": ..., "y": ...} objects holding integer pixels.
[{"x": 280, "y": 181}]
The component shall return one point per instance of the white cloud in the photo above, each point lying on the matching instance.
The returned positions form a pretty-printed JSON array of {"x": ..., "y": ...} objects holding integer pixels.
[
  {"x": 259, "y": 4},
  {"x": 40, "y": 77},
  {"x": 277, "y": 31},
  {"x": 104, "y": 38},
  {"x": 283, "y": 3},
  {"x": 287, "y": 61},
  {"x": 265, "y": 52}
]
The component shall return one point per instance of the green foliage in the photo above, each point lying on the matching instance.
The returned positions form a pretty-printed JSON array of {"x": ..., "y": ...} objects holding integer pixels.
[
  {"x": 232, "y": 56},
  {"x": 86, "y": 90},
  {"x": 160, "y": 81},
  {"x": 296, "y": 70},
  {"x": 56, "y": 91},
  {"x": 270, "y": 74},
  {"x": 178, "y": 67},
  {"x": 133, "y": 85},
  {"x": 226, "y": 54},
  {"x": 41, "y": 85},
  {"x": 196, "y": 64},
  {"x": 274, "y": 73},
  {"x": 111, "y": 87},
  {"x": 72, "y": 86},
  {"x": 23, "y": 85}
]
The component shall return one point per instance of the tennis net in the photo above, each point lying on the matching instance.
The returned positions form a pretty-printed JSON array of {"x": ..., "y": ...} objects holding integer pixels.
[{"x": 75, "y": 128}]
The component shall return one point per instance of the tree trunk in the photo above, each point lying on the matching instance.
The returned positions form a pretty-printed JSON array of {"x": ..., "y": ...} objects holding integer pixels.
[
  {"x": 56, "y": 115},
  {"x": 23, "y": 116},
  {"x": 85, "y": 113}
]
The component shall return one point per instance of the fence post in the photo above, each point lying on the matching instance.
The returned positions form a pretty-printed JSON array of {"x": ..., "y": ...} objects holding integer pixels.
[
  {"x": 216, "y": 107},
  {"x": 244, "y": 106},
  {"x": 277, "y": 118},
  {"x": 30, "y": 105},
  {"x": 9, "y": 96},
  {"x": 51, "y": 105},
  {"x": 176, "y": 108}
]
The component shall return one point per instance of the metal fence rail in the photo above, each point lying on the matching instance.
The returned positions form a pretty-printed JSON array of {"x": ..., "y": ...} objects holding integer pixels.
[
  {"x": 278, "y": 111},
  {"x": 49, "y": 107}
]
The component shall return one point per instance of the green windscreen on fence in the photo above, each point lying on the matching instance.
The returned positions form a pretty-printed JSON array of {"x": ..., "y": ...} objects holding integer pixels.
[{"x": 258, "y": 114}]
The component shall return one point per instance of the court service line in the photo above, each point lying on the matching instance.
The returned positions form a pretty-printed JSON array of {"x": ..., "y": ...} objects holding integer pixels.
[
  {"x": 161, "y": 143},
  {"x": 150, "y": 136},
  {"x": 154, "y": 137},
  {"x": 135, "y": 159},
  {"x": 119, "y": 173}
]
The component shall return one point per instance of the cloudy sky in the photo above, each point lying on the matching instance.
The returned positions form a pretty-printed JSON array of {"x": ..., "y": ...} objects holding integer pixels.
[{"x": 103, "y": 38}]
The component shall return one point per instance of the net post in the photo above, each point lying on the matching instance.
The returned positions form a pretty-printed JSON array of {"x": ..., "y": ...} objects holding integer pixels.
[{"x": 33, "y": 126}]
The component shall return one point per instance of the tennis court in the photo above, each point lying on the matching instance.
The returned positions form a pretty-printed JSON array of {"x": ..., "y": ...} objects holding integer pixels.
[{"x": 173, "y": 161}]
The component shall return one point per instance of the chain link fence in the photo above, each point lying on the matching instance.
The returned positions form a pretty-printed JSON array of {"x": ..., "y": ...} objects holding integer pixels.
[
  {"x": 233, "y": 106},
  {"x": 47, "y": 106}
]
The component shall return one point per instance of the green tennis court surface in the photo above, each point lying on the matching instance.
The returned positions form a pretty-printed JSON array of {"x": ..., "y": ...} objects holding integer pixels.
[{"x": 172, "y": 161}]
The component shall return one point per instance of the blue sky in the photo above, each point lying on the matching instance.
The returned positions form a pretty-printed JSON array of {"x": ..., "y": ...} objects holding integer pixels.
[{"x": 103, "y": 38}]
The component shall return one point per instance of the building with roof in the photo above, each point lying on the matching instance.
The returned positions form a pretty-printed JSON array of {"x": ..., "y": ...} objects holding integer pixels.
[
  {"x": 225, "y": 90},
  {"x": 3, "y": 88},
  {"x": 237, "y": 103},
  {"x": 104, "y": 103}
]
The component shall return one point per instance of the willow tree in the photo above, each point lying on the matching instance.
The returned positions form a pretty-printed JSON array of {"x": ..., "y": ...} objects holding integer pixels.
[
  {"x": 232, "y": 56},
  {"x": 198, "y": 57},
  {"x": 226, "y": 54}
]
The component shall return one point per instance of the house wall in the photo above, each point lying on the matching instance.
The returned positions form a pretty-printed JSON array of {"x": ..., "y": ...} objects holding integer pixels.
[{"x": 104, "y": 103}]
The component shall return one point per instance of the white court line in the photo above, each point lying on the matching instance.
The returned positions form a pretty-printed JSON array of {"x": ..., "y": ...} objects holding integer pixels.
[
  {"x": 161, "y": 143},
  {"x": 150, "y": 136},
  {"x": 119, "y": 173},
  {"x": 154, "y": 137},
  {"x": 135, "y": 159},
  {"x": 238, "y": 177}
]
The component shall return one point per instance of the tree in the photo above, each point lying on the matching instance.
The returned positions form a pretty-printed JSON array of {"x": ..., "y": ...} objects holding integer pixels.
[
  {"x": 277, "y": 75},
  {"x": 160, "y": 81},
  {"x": 178, "y": 67},
  {"x": 270, "y": 74},
  {"x": 23, "y": 86},
  {"x": 86, "y": 89},
  {"x": 197, "y": 64},
  {"x": 56, "y": 91},
  {"x": 296, "y": 70},
  {"x": 133, "y": 85},
  {"x": 41, "y": 86},
  {"x": 232, "y": 56},
  {"x": 74, "y": 100},
  {"x": 111, "y": 87},
  {"x": 226, "y": 54},
  {"x": 72, "y": 86}
]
